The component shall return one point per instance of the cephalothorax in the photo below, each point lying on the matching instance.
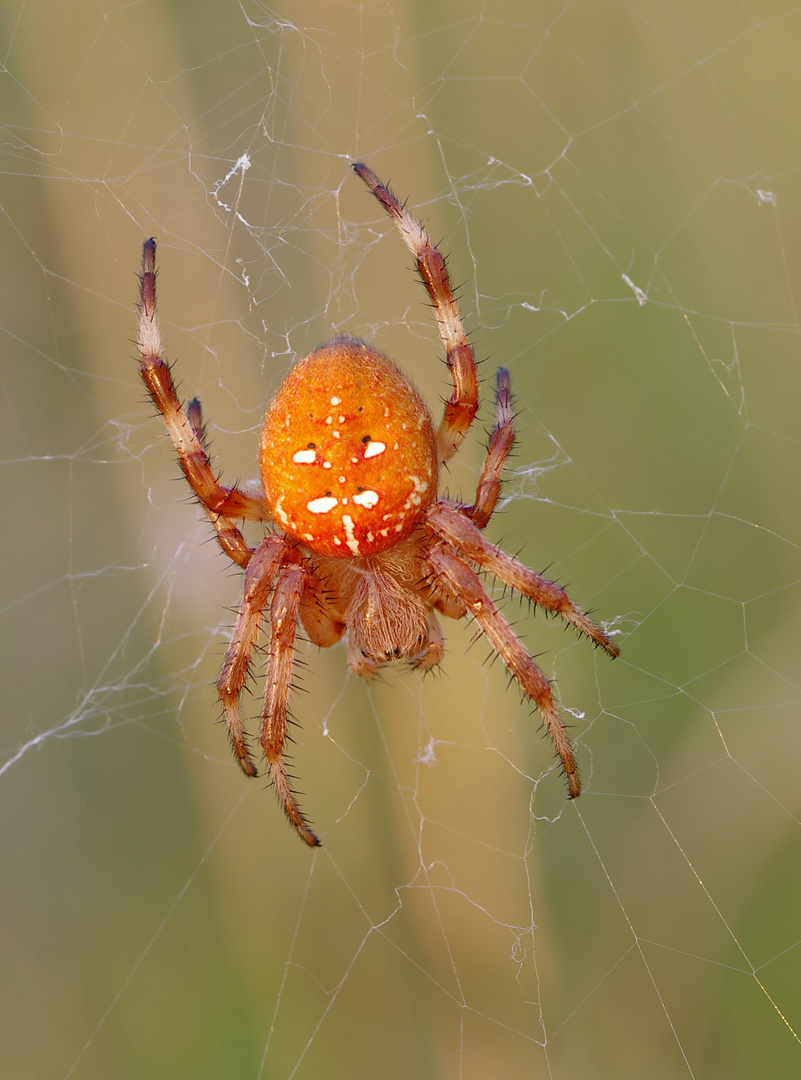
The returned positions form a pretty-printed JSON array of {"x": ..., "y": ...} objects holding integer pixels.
[{"x": 359, "y": 541}]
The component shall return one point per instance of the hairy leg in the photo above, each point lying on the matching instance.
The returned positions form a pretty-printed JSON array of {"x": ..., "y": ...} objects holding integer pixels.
[
  {"x": 466, "y": 583},
  {"x": 500, "y": 444},
  {"x": 259, "y": 577},
  {"x": 461, "y": 408},
  {"x": 283, "y": 624},
  {"x": 220, "y": 503},
  {"x": 449, "y": 524}
]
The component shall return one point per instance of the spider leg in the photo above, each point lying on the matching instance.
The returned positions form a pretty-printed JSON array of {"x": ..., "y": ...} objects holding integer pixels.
[
  {"x": 284, "y": 610},
  {"x": 259, "y": 576},
  {"x": 465, "y": 582},
  {"x": 319, "y": 611},
  {"x": 453, "y": 526},
  {"x": 461, "y": 408},
  {"x": 498, "y": 448},
  {"x": 220, "y": 503}
]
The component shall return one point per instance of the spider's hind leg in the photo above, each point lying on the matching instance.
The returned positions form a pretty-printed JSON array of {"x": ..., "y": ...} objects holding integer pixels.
[{"x": 465, "y": 583}]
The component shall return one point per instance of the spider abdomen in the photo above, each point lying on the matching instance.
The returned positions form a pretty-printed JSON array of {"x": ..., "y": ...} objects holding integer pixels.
[{"x": 348, "y": 452}]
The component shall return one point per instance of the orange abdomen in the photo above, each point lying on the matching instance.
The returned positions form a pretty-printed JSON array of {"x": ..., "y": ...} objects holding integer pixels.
[{"x": 348, "y": 452}]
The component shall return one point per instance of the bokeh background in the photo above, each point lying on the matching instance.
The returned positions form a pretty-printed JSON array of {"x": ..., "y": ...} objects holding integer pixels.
[{"x": 618, "y": 186}]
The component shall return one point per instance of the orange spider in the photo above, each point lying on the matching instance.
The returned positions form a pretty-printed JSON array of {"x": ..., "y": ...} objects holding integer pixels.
[{"x": 360, "y": 543}]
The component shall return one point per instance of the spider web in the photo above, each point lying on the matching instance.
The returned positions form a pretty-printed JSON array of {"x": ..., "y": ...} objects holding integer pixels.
[{"x": 618, "y": 187}]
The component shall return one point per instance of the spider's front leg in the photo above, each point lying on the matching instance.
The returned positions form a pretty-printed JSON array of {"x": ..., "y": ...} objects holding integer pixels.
[
  {"x": 221, "y": 504},
  {"x": 462, "y": 406}
]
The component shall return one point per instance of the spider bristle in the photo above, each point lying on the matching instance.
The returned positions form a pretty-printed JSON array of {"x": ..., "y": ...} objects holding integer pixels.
[
  {"x": 289, "y": 764},
  {"x": 293, "y": 779},
  {"x": 296, "y": 795},
  {"x": 433, "y": 670},
  {"x": 380, "y": 675},
  {"x": 460, "y": 285},
  {"x": 492, "y": 659},
  {"x": 478, "y": 635},
  {"x": 512, "y": 682},
  {"x": 513, "y": 624},
  {"x": 427, "y": 580}
]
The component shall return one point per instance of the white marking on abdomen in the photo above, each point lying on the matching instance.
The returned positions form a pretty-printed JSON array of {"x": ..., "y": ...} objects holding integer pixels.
[
  {"x": 351, "y": 540},
  {"x": 322, "y": 505}
]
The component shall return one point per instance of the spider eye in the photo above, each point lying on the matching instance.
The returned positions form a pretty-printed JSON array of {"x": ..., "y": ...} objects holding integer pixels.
[
  {"x": 367, "y": 439},
  {"x": 311, "y": 446}
]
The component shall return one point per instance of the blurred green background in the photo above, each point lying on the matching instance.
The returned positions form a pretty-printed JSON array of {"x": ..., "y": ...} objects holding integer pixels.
[{"x": 618, "y": 186}]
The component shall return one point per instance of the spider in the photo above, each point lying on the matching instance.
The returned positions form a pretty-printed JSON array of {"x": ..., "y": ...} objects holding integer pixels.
[{"x": 358, "y": 542}]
